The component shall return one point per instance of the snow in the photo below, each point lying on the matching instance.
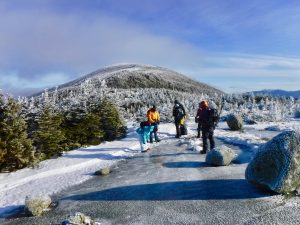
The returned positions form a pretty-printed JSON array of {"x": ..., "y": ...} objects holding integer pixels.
[{"x": 74, "y": 167}]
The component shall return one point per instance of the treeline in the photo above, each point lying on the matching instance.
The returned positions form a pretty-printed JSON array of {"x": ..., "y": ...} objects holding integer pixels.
[{"x": 29, "y": 137}]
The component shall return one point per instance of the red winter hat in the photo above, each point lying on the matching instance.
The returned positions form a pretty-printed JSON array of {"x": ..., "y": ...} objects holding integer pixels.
[{"x": 203, "y": 104}]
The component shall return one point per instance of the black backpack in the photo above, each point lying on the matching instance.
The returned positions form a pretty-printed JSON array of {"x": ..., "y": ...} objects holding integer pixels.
[
  {"x": 179, "y": 113},
  {"x": 211, "y": 118},
  {"x": 144, "y": 123}
]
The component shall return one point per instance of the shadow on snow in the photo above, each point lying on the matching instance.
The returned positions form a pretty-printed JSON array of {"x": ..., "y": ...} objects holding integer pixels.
[
  {"x": 178, "y": 190},
  {"x": 184, "y": 164}
]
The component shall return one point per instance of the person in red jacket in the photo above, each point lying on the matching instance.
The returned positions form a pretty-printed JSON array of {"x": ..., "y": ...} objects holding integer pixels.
[
  {"x": 154, "y": 120},
  {"x": 207, "y": 125}
]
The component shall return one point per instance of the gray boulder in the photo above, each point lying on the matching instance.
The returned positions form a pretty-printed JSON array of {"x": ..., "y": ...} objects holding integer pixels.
[
  {"x": 234, "y": 122},
  {"x": 221, "y": 156},
  {"x": 36, "y": 205},
  {"x": 276, "y": 165}
]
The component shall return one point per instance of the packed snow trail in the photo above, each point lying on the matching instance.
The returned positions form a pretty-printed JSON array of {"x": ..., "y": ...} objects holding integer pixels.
[{"x": 167, "y": 185}]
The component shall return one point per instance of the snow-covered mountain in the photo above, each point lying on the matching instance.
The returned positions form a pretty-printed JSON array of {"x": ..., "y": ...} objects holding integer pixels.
[
  {"x": 278, "y": 92},
  {"x": 130, "y": 76},
  {"x": 133, "y": 88}
]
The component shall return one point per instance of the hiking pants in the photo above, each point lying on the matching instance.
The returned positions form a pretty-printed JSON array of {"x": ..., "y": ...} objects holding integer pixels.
[
  {"x": 208, "y": 134},
  {"x": 199, "y": 130},
  {"x": 178, "y": 130},
  {"x": 154, "y": 132}
]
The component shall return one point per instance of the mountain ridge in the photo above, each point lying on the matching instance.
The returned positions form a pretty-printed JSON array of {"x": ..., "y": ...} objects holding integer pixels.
[
  {"x": 278, "y": 92},
  {"x": 127, "y": 76}
]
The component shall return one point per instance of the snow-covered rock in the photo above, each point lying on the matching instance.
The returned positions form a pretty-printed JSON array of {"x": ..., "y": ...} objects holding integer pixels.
[
  {"x": 197, "y": 148},
  {"x": 297, "y": 114},
  {"x": 103, "y": 172},
  {"x": 36, "y": 205},
  {"x": 183, "y": 142},
  {"x": 194, "y": 145},
  {"x": 276, "y": 165},
  {"x": 250, "y": 121},
  {"x": 221, "y": 156},
  {"x": 191, "y": 145},
  {"x": 273, "y": 128},
  {"x": 79, "y": 219},
  {"x": 234, "y": 121}
]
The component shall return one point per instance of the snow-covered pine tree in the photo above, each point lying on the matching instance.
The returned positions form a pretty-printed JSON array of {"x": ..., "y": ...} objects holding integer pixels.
[
  {"x": 16, "y": 150},
  {"x": 91, "y": 129},
  {"x": 72, "y": 126},
  {"x": 49, "y": 137},
  {"x": 111, "y": 121}
]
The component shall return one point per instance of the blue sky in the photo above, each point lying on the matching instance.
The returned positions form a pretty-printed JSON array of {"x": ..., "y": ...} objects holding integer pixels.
[{"x": 233, "y": 45}]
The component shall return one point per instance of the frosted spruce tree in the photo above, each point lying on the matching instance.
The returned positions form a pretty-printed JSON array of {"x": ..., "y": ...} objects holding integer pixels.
[
  {"x": 49, "y": 137},
  {"x": 111, "y": 121},
  {"x": 73, "y": 127},
  {"x": 16, "y": 150}
]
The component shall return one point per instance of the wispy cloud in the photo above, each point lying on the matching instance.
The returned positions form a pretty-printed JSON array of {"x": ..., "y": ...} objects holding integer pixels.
[
  {"x": 72, "y": 46},
  {"x": 246, "y": 65}
]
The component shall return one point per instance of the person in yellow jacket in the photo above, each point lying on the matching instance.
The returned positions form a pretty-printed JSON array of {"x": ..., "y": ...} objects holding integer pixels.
[{"x": 154, "y": 120}]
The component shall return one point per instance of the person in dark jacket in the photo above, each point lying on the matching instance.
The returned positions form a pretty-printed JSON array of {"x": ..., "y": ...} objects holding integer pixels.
[
  {"x": 198, "y": 122},
  {"x": 207, "y": 126},
  {"x": 178, "y": 114}
]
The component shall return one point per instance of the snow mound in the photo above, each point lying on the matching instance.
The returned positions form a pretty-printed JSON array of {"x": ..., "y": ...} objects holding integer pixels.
[{"x": 276, "y": 165}]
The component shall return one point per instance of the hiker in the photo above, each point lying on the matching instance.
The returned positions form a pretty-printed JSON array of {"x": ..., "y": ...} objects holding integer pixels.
[
  {"x": 197, "y": 121},
  {"x": 208, "y": 118},
  {"x": 154, "y": 120},
  {"x": 178, "y": 114},
  {"x": 144, "y": 135}
]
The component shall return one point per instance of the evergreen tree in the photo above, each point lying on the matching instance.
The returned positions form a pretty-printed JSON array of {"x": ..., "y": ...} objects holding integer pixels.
[
  {"x": 111, "y": 121},
  {"x": 49, "y": 137},
  {"x": 72, "y": 126},
  {"x": 16, "y": 149},
  {"x": 82, "y": 128},
  {"x": 93, "y": 133}
]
